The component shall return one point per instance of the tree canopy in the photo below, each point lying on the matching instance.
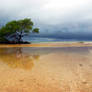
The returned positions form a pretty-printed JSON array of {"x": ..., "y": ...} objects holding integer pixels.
[{"x": 15, "y": 30}]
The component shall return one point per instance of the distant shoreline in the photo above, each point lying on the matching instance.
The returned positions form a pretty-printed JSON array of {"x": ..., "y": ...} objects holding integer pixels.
[{"x": 51, "y": 44}]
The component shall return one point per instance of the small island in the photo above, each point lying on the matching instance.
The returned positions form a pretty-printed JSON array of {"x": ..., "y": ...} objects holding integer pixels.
[{"x": 14, "y": 31}]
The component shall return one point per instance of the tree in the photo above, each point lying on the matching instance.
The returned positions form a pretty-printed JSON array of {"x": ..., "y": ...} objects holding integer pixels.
[{"x": 14, "y": 31}]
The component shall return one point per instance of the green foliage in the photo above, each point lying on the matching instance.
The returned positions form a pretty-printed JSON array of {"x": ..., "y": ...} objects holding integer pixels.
[
  {"x": 23, "y": 26},
  {"x": 81, "y": 42},
  {"x": 35, "y": 30}
]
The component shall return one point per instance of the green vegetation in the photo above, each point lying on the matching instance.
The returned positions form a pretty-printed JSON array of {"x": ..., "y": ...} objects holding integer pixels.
[
  {"x": 14, "y": 31},
  {"x": 81, "y": 42}
]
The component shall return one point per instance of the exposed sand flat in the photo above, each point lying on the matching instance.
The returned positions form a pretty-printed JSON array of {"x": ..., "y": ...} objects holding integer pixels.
[
  {"x": 50, "y": 44},
  {"x": 59, "y": 69}
]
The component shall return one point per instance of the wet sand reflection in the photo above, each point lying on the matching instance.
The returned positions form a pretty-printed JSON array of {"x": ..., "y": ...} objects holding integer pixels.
[
  {"x": 64, "y": 69},
  {"x": 16, "y": 58}
]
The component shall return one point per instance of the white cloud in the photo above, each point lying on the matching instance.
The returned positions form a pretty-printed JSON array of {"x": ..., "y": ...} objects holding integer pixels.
[{"x": 48, "y": 11}]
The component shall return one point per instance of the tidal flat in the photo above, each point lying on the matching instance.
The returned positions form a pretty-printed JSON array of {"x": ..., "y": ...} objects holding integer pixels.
[{"x": 46, "y": 69}]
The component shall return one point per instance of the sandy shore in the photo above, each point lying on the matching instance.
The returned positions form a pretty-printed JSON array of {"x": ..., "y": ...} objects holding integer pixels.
[
  {"x": 59, "y": 69},
  {"x": 50, "y": 44}
]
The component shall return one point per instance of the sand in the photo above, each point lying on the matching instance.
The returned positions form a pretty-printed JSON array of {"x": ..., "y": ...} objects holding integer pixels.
[{"x": 59, "y": 69}]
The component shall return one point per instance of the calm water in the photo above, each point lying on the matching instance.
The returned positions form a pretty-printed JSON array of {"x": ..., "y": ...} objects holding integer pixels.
[
  {"x": 44, "y": 39},
  {"x": 66, "y": 69}
]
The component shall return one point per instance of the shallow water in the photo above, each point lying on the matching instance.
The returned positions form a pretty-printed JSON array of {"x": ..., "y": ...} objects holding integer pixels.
[{"x": 52, "y": 69}]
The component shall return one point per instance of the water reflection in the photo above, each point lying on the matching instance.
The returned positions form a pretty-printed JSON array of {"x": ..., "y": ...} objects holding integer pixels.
[
  {"x": 25, "y": 57},
  {"x": 18, "y": 58}
]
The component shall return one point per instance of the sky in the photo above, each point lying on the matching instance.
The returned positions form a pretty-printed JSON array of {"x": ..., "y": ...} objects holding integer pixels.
[{"x": 55, "y": 18}]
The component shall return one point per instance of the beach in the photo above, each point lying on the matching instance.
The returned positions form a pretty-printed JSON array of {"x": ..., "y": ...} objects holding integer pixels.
[{"x": 46, "y": 67}]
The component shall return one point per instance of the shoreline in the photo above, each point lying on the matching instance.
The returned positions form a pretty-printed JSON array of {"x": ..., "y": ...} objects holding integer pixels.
[
  {"x": 50, "y": 44},
  {"x": 66, "y": 68}
]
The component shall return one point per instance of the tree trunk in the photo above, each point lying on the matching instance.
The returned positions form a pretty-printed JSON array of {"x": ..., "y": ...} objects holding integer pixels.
[{"x": 20, "y": 37}]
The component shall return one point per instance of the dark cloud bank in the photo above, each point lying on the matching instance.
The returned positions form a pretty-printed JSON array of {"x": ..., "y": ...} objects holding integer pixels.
[{"x": 77, "y": 31}]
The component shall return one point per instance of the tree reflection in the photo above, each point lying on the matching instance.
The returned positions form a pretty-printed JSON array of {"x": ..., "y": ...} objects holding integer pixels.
[{"x": 17, "y": 58}]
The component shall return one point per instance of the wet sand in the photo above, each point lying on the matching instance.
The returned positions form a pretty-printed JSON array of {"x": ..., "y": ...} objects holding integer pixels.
[{"x": 47, "y": 69}]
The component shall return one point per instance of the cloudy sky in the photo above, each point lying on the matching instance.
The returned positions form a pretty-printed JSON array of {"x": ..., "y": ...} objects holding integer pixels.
[{"x": 61, "y": 17}]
